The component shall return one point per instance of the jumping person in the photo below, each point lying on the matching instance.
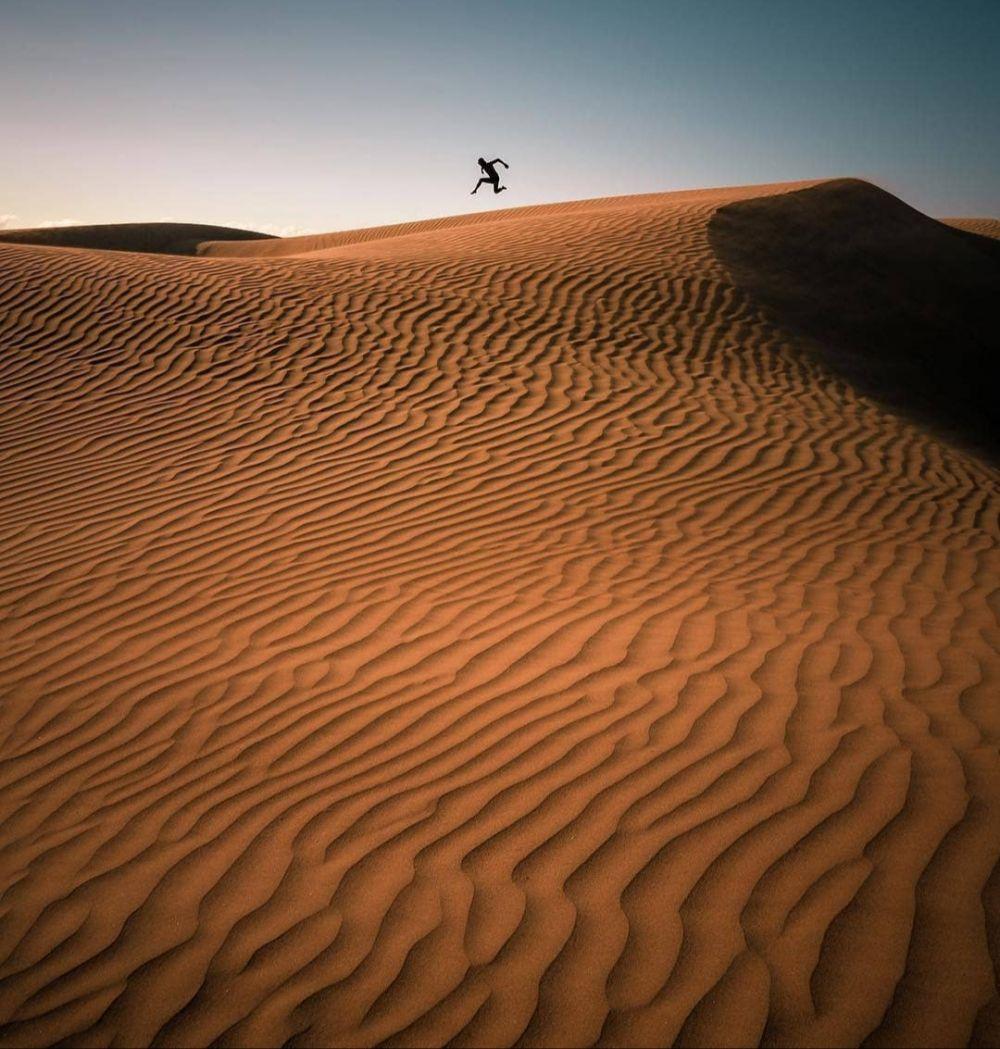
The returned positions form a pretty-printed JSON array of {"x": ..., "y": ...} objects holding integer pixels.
[{"x": 491, "y": 177}]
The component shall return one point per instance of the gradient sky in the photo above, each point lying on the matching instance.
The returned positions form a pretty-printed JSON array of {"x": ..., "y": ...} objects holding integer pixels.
[{"x": 331, "y": 115}]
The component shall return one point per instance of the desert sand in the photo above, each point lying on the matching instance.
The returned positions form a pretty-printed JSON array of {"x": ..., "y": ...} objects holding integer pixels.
[{"x": 566, "y": 625}]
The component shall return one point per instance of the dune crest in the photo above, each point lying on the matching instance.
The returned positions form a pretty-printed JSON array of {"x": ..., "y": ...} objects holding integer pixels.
[{"x": 497, "y": 631}]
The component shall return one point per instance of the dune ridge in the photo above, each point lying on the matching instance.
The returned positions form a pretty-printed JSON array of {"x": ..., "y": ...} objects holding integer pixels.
[{"x": 496, "y": 631}]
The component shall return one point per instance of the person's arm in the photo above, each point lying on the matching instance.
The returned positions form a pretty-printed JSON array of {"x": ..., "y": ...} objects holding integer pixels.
[{"x": 499, "y": 161}]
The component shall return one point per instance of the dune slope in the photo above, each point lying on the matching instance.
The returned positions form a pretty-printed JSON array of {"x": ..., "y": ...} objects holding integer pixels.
[
  {"x": 878, "y": 289},
  {"x": 491, "y": 631}
]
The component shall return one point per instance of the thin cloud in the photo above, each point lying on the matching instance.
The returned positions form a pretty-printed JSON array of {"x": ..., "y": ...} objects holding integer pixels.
[
  {"x": 286, "y": 231},
  {"x": 273, "y": 229},
  {"x": 14, "y": 222}
]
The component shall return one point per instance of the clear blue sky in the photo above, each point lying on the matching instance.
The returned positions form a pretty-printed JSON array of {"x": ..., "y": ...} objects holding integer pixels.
[{"x": 330, "y": 115}]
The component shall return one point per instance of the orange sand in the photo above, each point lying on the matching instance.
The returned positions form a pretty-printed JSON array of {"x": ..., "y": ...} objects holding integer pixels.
[{"x": 551, "y": 626}]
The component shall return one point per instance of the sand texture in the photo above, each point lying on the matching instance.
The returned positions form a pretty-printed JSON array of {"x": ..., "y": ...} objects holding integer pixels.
[{"x": 567, "y": 625}]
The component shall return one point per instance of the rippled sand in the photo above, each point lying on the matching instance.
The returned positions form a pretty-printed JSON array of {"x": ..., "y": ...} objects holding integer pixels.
[{"x": 528, "y": 628}]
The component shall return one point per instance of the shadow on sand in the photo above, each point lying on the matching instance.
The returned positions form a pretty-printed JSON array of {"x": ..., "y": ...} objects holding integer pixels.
[{"x": 903, "y": 306}]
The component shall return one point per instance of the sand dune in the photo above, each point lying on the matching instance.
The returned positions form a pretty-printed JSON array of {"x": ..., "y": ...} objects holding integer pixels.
[
  {"x": 161, "y": 238},
  {"x": 878, "y": 301},
  {"x": 526, "y": 628},
  {"x": 984, "y": 227}
]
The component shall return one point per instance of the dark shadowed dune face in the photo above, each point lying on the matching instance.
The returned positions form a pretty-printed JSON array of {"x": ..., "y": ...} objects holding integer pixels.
[
  {"x": 157, "y": 238},
  {"x": 903, "y": 306}
]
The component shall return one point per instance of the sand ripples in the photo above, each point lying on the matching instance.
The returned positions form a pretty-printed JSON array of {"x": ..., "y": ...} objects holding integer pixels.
[{"x": 492, "y": 633}]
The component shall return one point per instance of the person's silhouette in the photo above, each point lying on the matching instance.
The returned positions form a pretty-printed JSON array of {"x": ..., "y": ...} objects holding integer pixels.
[{"x": 491, "y": 176}]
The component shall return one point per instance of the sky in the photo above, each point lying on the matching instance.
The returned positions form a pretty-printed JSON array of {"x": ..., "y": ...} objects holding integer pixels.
[{"x": 315, "y": 115}]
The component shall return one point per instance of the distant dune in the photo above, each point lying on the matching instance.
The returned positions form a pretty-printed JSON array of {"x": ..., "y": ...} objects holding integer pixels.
[
  {"x": 568, "y": 625},
  {"x": 984, "y": 227},
  {"x": 167, "y": 238}
]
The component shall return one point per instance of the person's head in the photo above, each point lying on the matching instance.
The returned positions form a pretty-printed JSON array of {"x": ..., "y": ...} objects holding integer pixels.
[{"x": 482, "y": 163}]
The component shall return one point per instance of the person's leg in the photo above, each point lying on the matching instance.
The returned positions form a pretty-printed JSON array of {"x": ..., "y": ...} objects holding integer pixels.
[
  {"x": 497, "y": 188},
  {"x": 479, "y": 183}
]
